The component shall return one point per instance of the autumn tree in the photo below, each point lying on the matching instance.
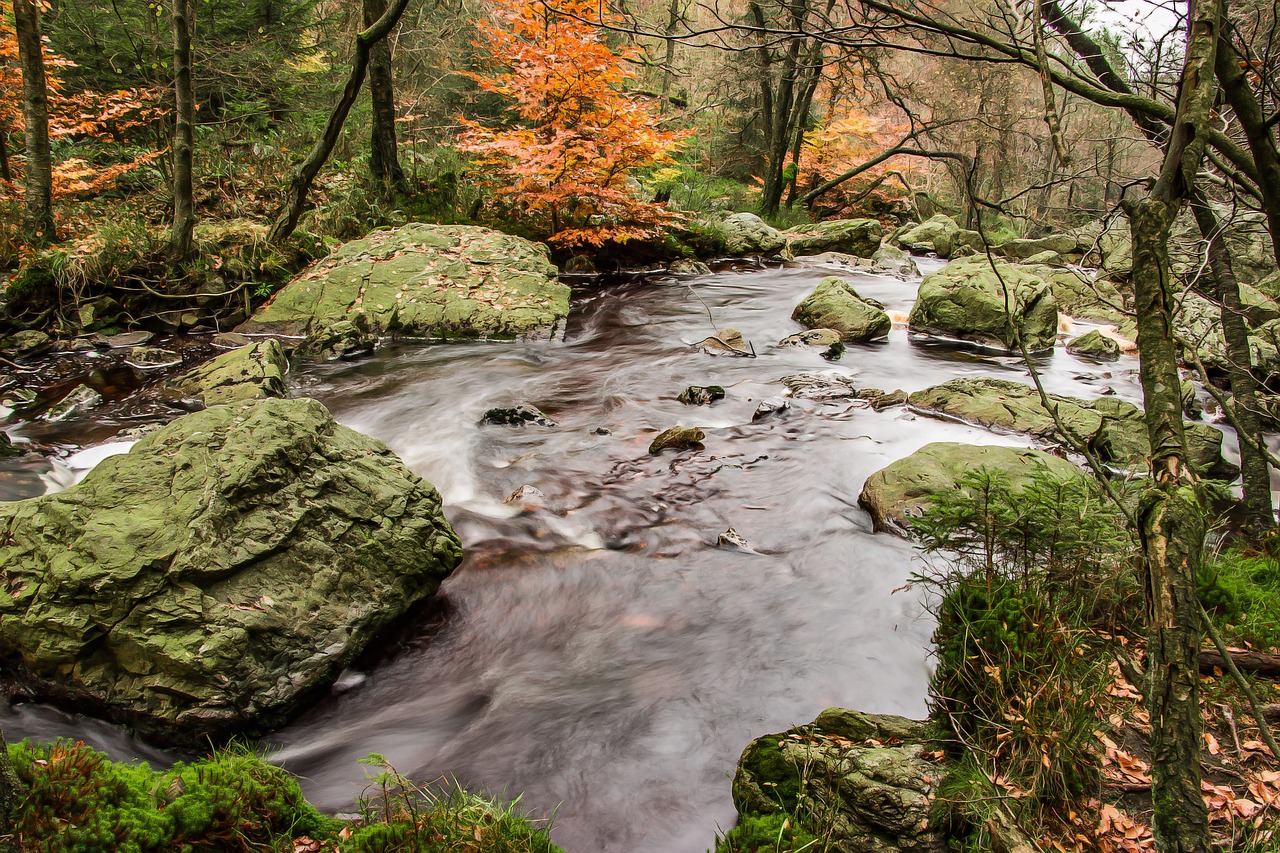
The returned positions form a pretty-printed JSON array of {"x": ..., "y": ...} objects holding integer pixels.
[{"x": 563, "y": 160}]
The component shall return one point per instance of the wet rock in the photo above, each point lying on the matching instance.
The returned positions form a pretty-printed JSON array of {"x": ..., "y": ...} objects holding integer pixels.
[
  {"x": 527, "y": 498},
  {"x": 811, "y": 338},
  {"x": 677, "y": 438},
  {"x": 834, "y": 304},
  {"x": 252, "y": 372},
  {"x": 726, "y": 340},
  {"x": 867, "y": 780},
  {"x": 345, "y": 339},
  {"x": 602, "y": 431},
  {"x": 1114, "y": 429},
  {"x": 701, "y": 395},
  {"x": 748, "y": 234},
  {"x": 26, "y": 344},
  {"x": 879, "y": 400},
  {"x": 932, "y": 235},
  {"x": 688, "y": 267},
  {"x": 1095, "y": 345},
  {"x": 96, "y": 314},
  {"x": 425, "y": 281},
  {"x": 894, "y": 261},
  {"x": 967, "y": 300},
  {"x": 834, "y": 352},
  {"x": 827, "y": 385},
  {"x": 219, "y": 574},
  {"x": 899, "y": 492},
  {"x": 769, "y": 407},
  {"x": 230, "y": 340},
  {"x": 7, "y": 450},
  {"x": 17, "y": 398},
  {"x": 858, "y": 237},
  {"x": 81, "y": 399},
  {"x": 517, "y": 416},
  {"x": 580, "y": 265},
  {"x": 149, "y": 358},
  {"x": 733, "y": 541},
  {"x": 127, "y": 340}
]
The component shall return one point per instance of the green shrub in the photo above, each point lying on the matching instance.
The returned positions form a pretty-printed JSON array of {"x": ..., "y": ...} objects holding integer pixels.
[{"x": 770, "y": 833}]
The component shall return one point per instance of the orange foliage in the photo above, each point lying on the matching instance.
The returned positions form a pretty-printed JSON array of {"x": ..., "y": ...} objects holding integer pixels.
[
  {"x": 565, "y": 158},
  {"x": 80, "y": 115},
  {"x": 844, "y": 141}
]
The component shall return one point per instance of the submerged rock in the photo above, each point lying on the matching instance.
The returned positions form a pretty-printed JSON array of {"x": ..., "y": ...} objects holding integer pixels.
[
  {"x": 701, "y": 395},
  {"x": 827, "y": 385},
  {"x": 865, "y": 783},
  {"x": 726, "y": 340},
  {"x": 899, "y": 492},
  {"x": 880, "y": 400},
  {"x": 1093, "y": 344},
  {"x": 811, "y": 338},
  {"x": 127, "y": 340},
  {"x": 1114, "y": 429},
  {"x": 220, "y": 573},
  {"x": 967, "y": 300},
  {"x": 248, "y": 373},
  {"x": 424, "y": 281},
  {"x": 517, "y": 416},
  {"x": 834, "y": 304},
  {"x": 527, "y": 498},
  {"x": 769, "y": 407},
  {"x": 151, "y": 358},
  {"x": 677, "y": 438},
  {"x": 732, "y": 540},
  {"x": 858, "y": 237},
  {"x": 80, "y": 399},
  {"x": 748, "y": 234}
]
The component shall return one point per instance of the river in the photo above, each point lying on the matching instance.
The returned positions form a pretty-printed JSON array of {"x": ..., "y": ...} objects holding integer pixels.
[{"x": 600, "y": 655}]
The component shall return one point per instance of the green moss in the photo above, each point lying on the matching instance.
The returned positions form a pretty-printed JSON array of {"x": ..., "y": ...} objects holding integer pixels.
[
  {"x": 765, "y": 760},
  {"x": 1242, "y": 590},
  {"x": 757, "y": 833}
]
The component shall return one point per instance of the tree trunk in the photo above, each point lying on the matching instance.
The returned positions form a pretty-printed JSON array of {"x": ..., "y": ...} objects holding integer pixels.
[
  {"x": 184, "y": 216},
  {"x": 1257, "y": 663},
  {"x": 384, "y": 159},
  {"x": 6, "y": 174},
  {"x": 674, "y": 17},
  {"x": 1255, "y": 475},
  {"x": 38, "y": 215},
  {"x": 296, "y": 196}
]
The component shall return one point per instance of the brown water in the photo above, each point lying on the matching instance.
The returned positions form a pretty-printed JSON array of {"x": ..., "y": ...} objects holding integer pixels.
[{"x": 602, "y": 655}]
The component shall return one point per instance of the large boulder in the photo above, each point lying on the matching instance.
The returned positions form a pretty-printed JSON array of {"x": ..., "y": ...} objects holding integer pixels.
[
  {"x": 864, "y": 783},
  {"x": 901, "y": 491},
  {"x": 220, "y": 573},
  {"x": 932, "y": 235},
  {"x": 748, "y": 234},
  {"x": 250, "y": 372},
  {"x": 1021, "y": 249},
  {"x": 1094, "y": 345},
  {"x": 424, "y": 281},
  {"x": 1082, "y": 295},
  {"x": 967, "y": 299},
  {"x": 1198, "y": 323},
  {"x": 858, "y": 237},
  {"x": 1107, "y": 245},
  {"x": 834, "y": 304},
  {"x": 1113, "y": 429}
]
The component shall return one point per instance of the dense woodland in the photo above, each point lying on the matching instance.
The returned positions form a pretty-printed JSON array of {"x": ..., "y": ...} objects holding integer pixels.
[{"x": 170, "y": 165}]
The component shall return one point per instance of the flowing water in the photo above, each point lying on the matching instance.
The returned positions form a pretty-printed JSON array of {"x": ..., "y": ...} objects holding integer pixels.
[{"x": 600, "y": 653}]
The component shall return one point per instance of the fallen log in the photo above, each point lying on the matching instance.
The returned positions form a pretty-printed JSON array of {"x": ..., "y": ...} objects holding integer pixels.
[{"x": 1257, "y": 663}]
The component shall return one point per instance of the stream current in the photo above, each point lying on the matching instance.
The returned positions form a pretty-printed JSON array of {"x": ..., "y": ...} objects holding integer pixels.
[{"x": 600, "y": 655}]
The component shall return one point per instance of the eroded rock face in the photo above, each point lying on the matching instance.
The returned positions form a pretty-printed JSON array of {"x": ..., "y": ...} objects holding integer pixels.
[
  {"x": 858, "y": 237},
  {"x": 834, "y": 304},
  {"x": 900, "y": 491},
  {"x": 226, "y": 568},
  {"x": 967, "y": 300},
  {"x": 868, "y": 781},
  {"x": 748, "y": 234},
  {"x": 424, "y": 281},
  {"x": 1114, "y": 429},
  {"x": 248, "y": 373}
]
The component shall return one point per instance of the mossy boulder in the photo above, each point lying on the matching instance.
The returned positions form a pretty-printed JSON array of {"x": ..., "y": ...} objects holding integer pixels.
[
  {"x": 1114, "y": 429},
  {"x": 748, "y": 234},
  {"x": 248, "y": 373},
  {"x": 1021, "y": 249},
  {"x": 1082, "y": 295},
  {"x": 932, "y": 235},
  {"x": 834, "y": 304},
  {"x": 901, "y": 491},
  {"x": 858, "y": 237},
  {"x": 972, "y": 300},
  {"x": 25, "y": 344},
  {"x": 220, "y": 573},
  {"x": 1095, "y": 345},
  {"x": 864, "y": 783},
  {"x": 894, "y": 261},
  {"x": 424, "y": 281},
  {"x": 677, "y": 438}
]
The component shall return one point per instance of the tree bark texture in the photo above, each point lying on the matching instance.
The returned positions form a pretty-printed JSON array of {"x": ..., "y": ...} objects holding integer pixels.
[
  {"x": 184, "y": 216},
  {"x": 384, "y": 157},
  {"x": 38, "y": 214},
  {"x": 296, "y": 196}
]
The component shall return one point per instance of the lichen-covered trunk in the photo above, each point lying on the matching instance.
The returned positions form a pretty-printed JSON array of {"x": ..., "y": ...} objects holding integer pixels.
[
  {"x": 384, "y": 156},
  {"x": 38, "y": 214},
  {"x": 184, "y": 215}
]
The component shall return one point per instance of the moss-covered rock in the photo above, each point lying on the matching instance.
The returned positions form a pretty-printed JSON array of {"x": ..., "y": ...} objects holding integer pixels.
[
  {"x": 834, "y": 304},
  {"x": 25, "y": 344},
  {"x": 1095, "y": 345},
  {"x": 1114, "y": 429},
  {"x": 811, "y": 338},
  {"x": 865, "y": 783},
  {"x": 1082, "y": 295},
  {"x": 748, "y": 234},
  {"x": 249, "y": 373},
  {"x": 901, "y": 491},
  {"x": 858, "y": 237},
  {"x": 1023, "y": 248},
  {"x": 701, "y": 395},
  {"x": 424, "y": 281},
  {"x": 226, "y": 568},
  {"x": 932, "y": 235},
  {"x": 677, "y": 438},
  {"x": 970, "y": 300}
]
